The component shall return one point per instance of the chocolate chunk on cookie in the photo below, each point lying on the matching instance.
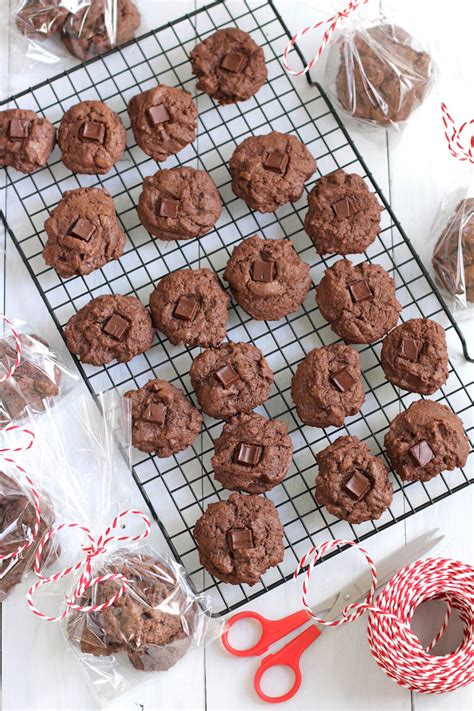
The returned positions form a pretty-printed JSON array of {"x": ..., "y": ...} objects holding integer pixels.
[
  {"x": 382, "y": 75},
  {"x": 327, "y": 387},
  {"x": 267, "y": 277},
  {"x": 18, "y": 522},
  {"x": 239, "y": 539},
  {"x": 252, "y": 453},
  {"x": 98, "y": 26},
  {"x": 164, "y": 421},
  {"x": 351, "y": 483},
  {"x": 141, "y": 623},
  {"x": 26, "y": 140},
  {"x": 359, "y": 301},
  {"x": 343, "y": 215},
  {"x": 229, "y": 66},
  {"x": 233, "y": 378},
  {"x": 426, "y": 440},
  {"x": 179, "y": 203},
  {"x": 269, "y": 171},
  {"x": 108, "y": 327},
  {"x": 40, "y": 19},
  {"x": 91, "y": 137},
  {"x": 34, "y": 383},
  {"x": 164, "y": 120},
  {"x": 83, "y": 232},
  {"x": 415, "y": 356},
  {"x": 190, "y": 306},
  {"x": 453, "y": 255}
]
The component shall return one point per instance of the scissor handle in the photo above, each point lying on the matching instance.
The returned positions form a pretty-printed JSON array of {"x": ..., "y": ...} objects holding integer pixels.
[
  {"x": 272, "y": 631},
  {"x": 288, "y": 656}
]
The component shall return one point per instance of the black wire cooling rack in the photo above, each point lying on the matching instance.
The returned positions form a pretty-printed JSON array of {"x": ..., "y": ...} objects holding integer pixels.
[{"x": 178, "y": 489}]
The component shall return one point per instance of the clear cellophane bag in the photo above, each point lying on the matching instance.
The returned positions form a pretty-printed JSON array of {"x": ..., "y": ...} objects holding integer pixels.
[
  {"x": 376, "y": 72},
  {"x": 135, "y": 611},
  {"x": 54, "y": 32}
]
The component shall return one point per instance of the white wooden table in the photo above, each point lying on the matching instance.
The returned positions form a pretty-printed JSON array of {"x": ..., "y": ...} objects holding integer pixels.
[{"x": 414, "y": 170}]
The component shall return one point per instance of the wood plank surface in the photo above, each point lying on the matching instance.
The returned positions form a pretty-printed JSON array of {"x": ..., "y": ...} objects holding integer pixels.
[{"x": 415, "y": 171}]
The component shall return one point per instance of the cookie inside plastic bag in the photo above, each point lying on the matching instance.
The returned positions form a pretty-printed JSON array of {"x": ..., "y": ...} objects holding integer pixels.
[
  {"x": 85, "y": 28},
  {"x": 127, "y": 609},
  {"x": 36, "y": 382},
  {"x": 18, "y": 528},
  {"x": 99, "y": 25},
  {"x": 40, "y": 19},
  {"x": 153, "y": 622},
  {"x": 377, "y": 73},
  {"x": 453, "y": 248}
]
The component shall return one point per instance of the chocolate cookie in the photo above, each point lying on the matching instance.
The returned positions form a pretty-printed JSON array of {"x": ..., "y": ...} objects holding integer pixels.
[
  {"x": 17, "y": 527},
  {"x": 271, "y": 170},
  {"x": 26, "y": 140},
  {"x": 382, "y": 77},
  {"x": 252, "y": 453},
  {"x": 343, "y": 215},
  {"x": 229, "y": 66},
  {"x": 190, "y": 306},
  {"x": 415, "y": 356},
  {"x": 239, "y": 539},
  {"x": 351, "y": 483},
  {"x": 179, "y": 203},
  {"x": 98, "y": 26},
  {"x": 453, "y": 255},
  {"x": 426, "y": 440},
  {"x": 327, "y": 387},
  {"x": 164, "y": 421},
  {"x": 267, "y": 277},
  {"x": 154, "y": 632},
  {"x": 83, "y": 232},
  {"x": 40, "y": 19},
  {"x": 108, "y": 327},
  {"x": 358, "y": 301},
  {"x": 33, "y": 384},
  {"x": 91, "y": 137},
  {"x": 164, "y": 120},
  {"x": 233, "y": 378}
]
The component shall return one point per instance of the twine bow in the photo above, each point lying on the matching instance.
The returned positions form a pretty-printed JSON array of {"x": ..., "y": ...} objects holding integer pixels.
[
  {"x": 460, "y": 138},
  {"x": 30, "y": 486},
  {"x": 332, "y": 24},
  {"x": 92, "y": 549}
]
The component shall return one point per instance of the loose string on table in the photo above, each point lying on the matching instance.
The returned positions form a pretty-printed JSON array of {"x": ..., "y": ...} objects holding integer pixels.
[
  {"x": 460, "y": 138},
  {"x": 92, "y": 549},
  {"x": 331, "y": 23},
  {"x": 395, "y": 647}
]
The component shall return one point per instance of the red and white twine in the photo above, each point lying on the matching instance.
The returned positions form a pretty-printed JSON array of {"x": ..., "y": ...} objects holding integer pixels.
[
  {"x": 460, "y": 138},
  {"x": 29, "y": 486},
  {"x": 86, "y": 581},
  {"x": 15, "y": 365},
  {"x": 332, "y": 24},
  {"x": 396, "y": 649}
]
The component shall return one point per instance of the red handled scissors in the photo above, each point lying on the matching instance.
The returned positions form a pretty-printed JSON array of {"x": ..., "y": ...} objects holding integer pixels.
[{"x": 273, "y": 630}]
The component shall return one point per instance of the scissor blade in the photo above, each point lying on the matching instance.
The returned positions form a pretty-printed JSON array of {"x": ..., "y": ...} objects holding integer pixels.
[
  {"x": 357, "y": 590},
  {"x": 412, "y": 551}
]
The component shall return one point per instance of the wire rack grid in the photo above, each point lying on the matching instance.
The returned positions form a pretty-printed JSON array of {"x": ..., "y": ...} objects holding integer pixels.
[{"x": 180, "y": 488}]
